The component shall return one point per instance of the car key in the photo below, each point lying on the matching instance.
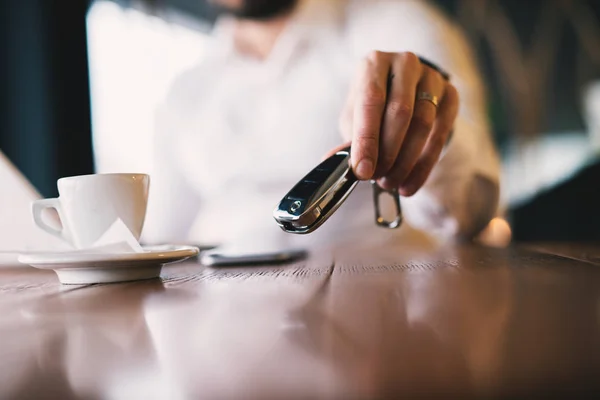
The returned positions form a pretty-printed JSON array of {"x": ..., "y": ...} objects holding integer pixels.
[
  {"x": 321, "y": 192},
  {"x": 312, "y": 200}
]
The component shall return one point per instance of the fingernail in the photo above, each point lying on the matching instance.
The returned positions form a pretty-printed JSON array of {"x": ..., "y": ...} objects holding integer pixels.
[
  {"x": 365, "y": 169},
  {"x": 407, "y": 190}
]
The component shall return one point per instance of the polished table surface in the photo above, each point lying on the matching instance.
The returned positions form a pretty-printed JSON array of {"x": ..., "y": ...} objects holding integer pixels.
[{"x": 460, "y": 321}]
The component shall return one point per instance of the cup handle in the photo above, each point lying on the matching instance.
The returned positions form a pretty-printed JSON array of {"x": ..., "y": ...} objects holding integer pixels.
[{"x": 40, "y": 205}]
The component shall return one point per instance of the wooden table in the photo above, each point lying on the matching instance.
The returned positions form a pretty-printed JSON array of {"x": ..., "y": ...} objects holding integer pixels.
[{"x": 464, "y": 321}]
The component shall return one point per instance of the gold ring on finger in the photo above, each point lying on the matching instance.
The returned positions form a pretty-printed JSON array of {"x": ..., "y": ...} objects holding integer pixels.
[{"x": 428, "y": 97}]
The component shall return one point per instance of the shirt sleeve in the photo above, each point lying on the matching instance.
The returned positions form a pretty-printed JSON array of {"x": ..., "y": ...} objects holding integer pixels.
[
  {"x": 462, "y": 193},
  {"x": 172, "y": 203}
]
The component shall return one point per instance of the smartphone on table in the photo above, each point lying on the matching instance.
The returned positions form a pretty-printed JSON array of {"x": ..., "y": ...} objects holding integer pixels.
[{"x": 222, "y": 257}]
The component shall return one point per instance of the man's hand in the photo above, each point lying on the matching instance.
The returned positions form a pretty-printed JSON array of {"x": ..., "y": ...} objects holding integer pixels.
[{"x": 397, "y": 136}]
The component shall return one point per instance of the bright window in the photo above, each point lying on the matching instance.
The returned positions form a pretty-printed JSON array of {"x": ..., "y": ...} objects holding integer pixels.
[{"x": 133, "y": 58}]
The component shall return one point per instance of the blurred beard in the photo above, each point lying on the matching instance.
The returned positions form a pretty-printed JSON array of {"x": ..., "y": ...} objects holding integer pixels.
[{"x": 259, "y": 9}]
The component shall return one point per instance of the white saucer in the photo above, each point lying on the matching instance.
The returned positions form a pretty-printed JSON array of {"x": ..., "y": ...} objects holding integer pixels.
[
  {"x": 81, "y": 268},
  {"x": 9, "y": 259}
]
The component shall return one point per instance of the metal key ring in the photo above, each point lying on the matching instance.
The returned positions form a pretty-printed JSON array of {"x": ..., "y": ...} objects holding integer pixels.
[{"x": 379, "y": 220}]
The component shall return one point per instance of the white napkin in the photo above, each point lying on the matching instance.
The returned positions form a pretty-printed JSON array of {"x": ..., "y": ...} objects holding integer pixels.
[
  {"x": 117, "y": 239},
  {"x": 18, "y": 233}
]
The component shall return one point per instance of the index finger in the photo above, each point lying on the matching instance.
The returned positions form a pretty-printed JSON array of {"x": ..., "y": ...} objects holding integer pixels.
[{"x": 368, "y": 113}]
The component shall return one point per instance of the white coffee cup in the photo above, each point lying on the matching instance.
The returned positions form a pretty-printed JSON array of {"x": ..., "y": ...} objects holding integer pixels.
[{"x": 88, "y": 205}]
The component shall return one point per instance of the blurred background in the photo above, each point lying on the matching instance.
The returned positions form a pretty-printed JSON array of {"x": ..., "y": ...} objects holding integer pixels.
[{"x": 76, "y": 76}]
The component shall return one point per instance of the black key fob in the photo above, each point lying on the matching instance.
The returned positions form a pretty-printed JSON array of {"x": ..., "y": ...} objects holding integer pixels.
[
  {"x": 321, "y": 192},
  {"x": 316, "y": 197}
]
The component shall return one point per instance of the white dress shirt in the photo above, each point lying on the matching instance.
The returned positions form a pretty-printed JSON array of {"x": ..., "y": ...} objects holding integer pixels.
[{"x": 236, "y": 133}]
